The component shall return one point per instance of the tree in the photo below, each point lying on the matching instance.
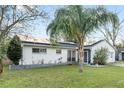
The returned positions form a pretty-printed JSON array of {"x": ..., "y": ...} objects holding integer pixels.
[
  {"x": 4, "y": 47},
  {"x": 111, "y": 29},
  {"x": 1, "y": 66},
  {"x": 13, "y": 17},
  {"x": 14, "y": 52},
  {"x": 3, "y": 51},
  {"x": 76, "y": 22}
]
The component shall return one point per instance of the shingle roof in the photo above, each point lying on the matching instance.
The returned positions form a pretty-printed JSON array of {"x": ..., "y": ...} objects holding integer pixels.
[
  {"x": 31, "y": 39},
  {"x": 94, "y": 43},
  {"x": 28, "y": 39},
  {"x": 45, "y": 42},
  {"x": 121, "y": 49}
]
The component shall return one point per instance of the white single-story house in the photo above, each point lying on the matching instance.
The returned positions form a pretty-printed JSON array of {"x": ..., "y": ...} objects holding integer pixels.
[
  {"x": 41, "y": 51},
  {"x": 121, "y": 54},
  {"x": 89, "y": 51}
]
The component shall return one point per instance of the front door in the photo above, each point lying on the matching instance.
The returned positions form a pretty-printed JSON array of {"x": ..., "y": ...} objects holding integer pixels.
[
  {"x": 85, "y": 56},
  {"x": 73, "y": 55},
  {"x": 69, "y": 56},
  {"x": 122, "y": 56}
]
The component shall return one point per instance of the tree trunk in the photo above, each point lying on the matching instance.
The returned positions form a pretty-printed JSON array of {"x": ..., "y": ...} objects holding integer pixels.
[
  {"x": 113, "y": 43},
  {"x": 116, "y": 50},
  {"x": 1, "y": 66},
  {"x": 81, "y": 56}
]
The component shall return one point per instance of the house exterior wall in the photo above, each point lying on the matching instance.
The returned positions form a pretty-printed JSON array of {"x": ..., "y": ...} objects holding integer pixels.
[
  {"x": 26, "y": 55},
  {"x": 43, "y": 58},
  {"x": 120, "y": 55},
  {"x": 104, "y": 44}
]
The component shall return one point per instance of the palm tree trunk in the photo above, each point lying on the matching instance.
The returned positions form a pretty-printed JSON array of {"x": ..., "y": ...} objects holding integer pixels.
[{"x": 81, "y": 56}]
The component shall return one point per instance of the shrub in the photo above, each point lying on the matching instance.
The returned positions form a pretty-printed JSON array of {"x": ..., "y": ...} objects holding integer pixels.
[
  {"x": 14, "y": 52},
  {"x": 100, "y": 56},
  {"x": 3, "y": 51}
]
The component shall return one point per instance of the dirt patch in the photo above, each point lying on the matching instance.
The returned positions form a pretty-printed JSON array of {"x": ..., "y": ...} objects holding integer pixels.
[
  {"x": 6, "y": 61},
  {"x": 120, "y": 65}
]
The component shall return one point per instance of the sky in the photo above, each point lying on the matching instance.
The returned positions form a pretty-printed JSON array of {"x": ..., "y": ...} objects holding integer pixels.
[{"x": 40, "y": 27}]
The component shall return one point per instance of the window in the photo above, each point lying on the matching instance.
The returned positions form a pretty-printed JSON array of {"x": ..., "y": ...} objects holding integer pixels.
[
  {"x": 35, "y": 50},
  {"x": 73, "y": 53},
  {"x": 39, "y": 50},
  {"x": 43, "y": 50},
  {"x": 58, "y": 51}
]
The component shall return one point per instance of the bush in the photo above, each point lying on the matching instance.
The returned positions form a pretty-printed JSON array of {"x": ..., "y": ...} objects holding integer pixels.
[
  {"x": 3, "y": 51},
  {"x": 14, "y": 52},
  {"x": 100, "y": 56}
]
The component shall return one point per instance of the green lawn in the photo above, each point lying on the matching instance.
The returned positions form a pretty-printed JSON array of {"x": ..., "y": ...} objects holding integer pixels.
[{"x": 64, "y": 76}]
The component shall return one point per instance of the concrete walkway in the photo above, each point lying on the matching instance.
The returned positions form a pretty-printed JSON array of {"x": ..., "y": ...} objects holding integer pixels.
[
  {"x": 119, "y": 65},
  {"x": 96, "y": 65}
]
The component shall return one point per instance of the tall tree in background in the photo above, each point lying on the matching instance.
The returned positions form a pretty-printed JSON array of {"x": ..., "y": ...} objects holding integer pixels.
[
  {"x": 14, "y": 52},
  {"x": 120, "y": 44},
  {"x": 111, "y": 29},
  {"x": 14, "y": 17},
  {"x": 75, "y": 23}
]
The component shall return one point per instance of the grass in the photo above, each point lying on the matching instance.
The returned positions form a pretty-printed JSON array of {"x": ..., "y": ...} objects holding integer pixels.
[{"x": 63, "y": 76}]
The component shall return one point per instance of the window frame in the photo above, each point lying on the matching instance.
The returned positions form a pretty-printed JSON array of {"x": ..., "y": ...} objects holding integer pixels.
[
  {"x": 35, "y": 50},
  {"x": 58, "y": 51},
  {"x": 43, "y": 50}
]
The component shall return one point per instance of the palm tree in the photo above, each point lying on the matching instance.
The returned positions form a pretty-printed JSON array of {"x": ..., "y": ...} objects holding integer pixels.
[{"x": 75, "y": 23}]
